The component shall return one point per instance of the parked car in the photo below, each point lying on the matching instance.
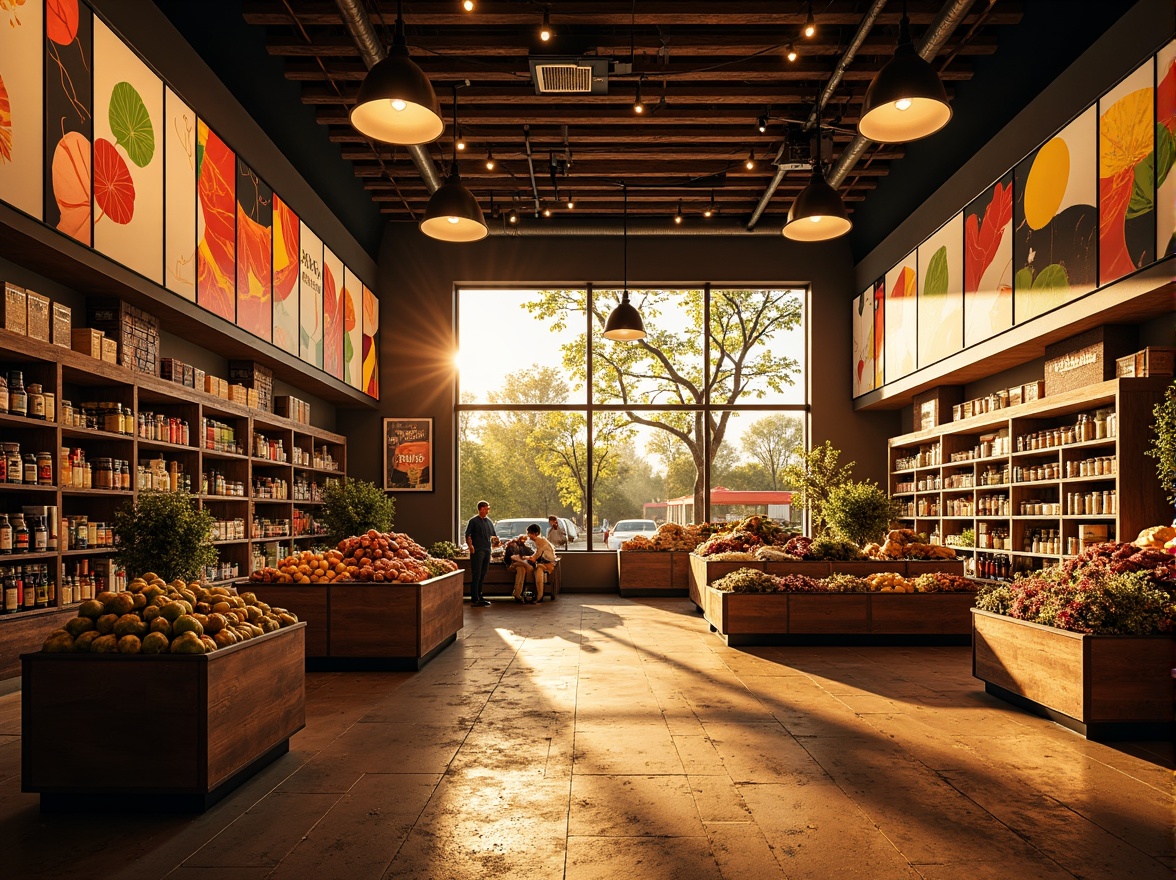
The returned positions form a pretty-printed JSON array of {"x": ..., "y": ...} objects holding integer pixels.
[
  {"x": 628, "y": 528},
  {"x": 506, "y": 529}
]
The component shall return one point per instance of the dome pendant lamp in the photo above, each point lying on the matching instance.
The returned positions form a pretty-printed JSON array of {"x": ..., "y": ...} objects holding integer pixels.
[
  {"x": 817, "y": 214},
  {"x": 906, "y": 100},
  {"x": 624, "y": 322},
  {"x": 453, "y": 214},
  {"x": 396, "y": 103}
]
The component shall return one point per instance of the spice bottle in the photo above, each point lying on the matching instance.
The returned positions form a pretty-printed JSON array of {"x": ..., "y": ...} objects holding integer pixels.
[
  {"x": 35, "y": 401},
  {"x": 5, "y": 534},
  {"x": 18, "y": 401},
  {"x": 3, "y": 393}
]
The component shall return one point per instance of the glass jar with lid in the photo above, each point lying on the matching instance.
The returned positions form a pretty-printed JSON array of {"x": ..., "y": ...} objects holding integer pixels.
[{"x": 35, "y": 401}]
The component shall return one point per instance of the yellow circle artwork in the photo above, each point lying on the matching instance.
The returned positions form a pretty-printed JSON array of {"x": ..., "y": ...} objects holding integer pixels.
[{"x": 1047, "y": 182}]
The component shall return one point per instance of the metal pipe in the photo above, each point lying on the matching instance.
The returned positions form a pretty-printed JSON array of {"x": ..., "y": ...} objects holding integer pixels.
[
  {"x": 855, "y": 43},
  {"x": 945, "y": 23},
  {"x": 372, "y": 51},
  {"x": 637, "y": 226},
  {"x": 531, "y": 166}
]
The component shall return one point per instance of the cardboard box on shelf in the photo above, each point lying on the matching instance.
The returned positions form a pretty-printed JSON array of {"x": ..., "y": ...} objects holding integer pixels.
[
  {"x": 110, "y": 350},
  {"x": 197, "y": 378},
  {"x": 1152, "y": 361},
  {"x": 256, "y": 376},
  {"x": 172, "y": 370},
  {"x": 62, "y": 325},
  {"x": 251, "y": 398},
  {"x": 1091, "y": 534},
  {"x": 1031, "y": 391},
  {"x": 237, "y": 393},
  {"x": 189, "y": 376},
  {"x": 87, "y": 340},
  {"x": 15, "y": 311},
  {"x": 37, "y": 322}
]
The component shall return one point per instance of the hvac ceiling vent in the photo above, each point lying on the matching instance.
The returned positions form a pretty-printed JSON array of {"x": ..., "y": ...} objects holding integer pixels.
[{"x": 569, "y": 76}]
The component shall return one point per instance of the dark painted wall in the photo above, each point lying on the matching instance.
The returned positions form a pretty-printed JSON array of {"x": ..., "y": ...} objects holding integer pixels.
[{"x": 418, "y": 277}]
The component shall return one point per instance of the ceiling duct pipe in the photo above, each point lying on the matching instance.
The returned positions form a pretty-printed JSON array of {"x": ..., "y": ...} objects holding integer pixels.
[
  {"x": 850, "y": 53},
  {"x": 949, "y": 18},
  {"x": 581, "y": 227},
  {"x": 531, "y": 167},
  {"x": 372, "y": 51}
]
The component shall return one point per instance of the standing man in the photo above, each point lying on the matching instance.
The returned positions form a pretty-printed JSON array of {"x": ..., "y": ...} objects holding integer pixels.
[
  {"x": 556, "y": 533},
  {"x": 479, "y": 531}
]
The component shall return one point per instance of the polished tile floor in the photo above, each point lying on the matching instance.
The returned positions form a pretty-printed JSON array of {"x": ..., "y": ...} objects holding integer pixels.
[{"x": 599, "y": 737}]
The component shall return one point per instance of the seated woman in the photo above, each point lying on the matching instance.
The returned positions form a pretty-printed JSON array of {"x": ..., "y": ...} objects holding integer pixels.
[
  {"x": 514, "y": 556},
  {"x": 543, "y": 559}
]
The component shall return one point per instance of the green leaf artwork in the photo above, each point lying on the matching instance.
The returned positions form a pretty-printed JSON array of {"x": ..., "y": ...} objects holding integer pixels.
[
  {"x": 1142, "y": 189},
  {"x": 199, "y": 159},
  {"x": 1052, "y": 277},
  {"x": 937, "y": 274},
  {"x": 131, "y": 124},
  {"x": 1023, "y": 280},
  {"x": 1165, "y": 152}
]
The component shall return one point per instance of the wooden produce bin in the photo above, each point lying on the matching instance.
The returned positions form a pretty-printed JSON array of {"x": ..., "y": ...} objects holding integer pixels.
[
  {"x": 310, "y": 603},
  {"x": 394, "y": 626},
  {"x": 654, "y": 573},
  {"x": 167, "y": 732},
  {"x": 1104, "y": 687}
]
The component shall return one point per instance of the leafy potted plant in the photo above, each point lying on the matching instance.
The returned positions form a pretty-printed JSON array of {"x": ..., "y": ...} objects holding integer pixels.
[
  {"x": 164, "y": 532},
  {"x": 813, "y": 474},
  {"x": 1163, "y": 444},
  {"x": 858, "y": 512},
  {"x": 352, "y": 507}
]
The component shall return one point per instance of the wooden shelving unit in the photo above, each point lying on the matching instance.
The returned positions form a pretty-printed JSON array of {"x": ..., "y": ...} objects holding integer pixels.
[
  {"x": 946, "y": 496},
  {"x": 75, "y": 377}
]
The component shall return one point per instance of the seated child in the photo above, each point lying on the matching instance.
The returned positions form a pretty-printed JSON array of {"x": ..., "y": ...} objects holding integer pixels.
[
  {"x": 514, "y": 556},
  {"x": 543, "y": 559}
]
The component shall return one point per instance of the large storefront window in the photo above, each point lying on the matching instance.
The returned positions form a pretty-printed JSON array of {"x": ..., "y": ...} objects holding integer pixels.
[{"x": 696, "y": 422}]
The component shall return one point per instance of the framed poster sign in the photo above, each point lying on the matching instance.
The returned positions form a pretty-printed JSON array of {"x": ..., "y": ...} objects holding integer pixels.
[{"x": 408, "y": 455}]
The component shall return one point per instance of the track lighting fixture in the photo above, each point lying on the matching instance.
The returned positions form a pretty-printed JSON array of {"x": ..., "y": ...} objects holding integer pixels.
[
  {"x": 624, "y": 322},
  {"x": 750, "y": 163},
  {"x": 638, "y": 105},
  {"x": 490, "y": 163},
  {"x": 545, "y": 28},
  {"x": 810, "y": 24},
  {"x": 790, "y": 52},
  {"x": 396, "y": 102},
  {"x": 453, "y": 214},
  {"x": 761, "y": 124},
  {"x": 468, "y": 5},
  {"x": 906, "y": 100},
  {"x": 678, "y": 213}
]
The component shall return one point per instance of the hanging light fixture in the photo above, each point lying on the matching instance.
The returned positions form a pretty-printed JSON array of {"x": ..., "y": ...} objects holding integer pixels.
[
  {"x": 810, "y": 23},
  {"x": 513, "y": 216},
  {"x": 678, "y": 213},
  {"x": 545, "y": 28},
  {"x": 490, "y": 163},
  {"x": 396, "y": 103},
  {"x": 468, "y": 5},
  {"x": 709, "y": 211},
  {"x": 749, "y": 164},
  {"x": 906, "y": 99},
  {"x": 790, "y": 52},
  {"x": 453, "y": 214},
  {"x": 624, "y": 322},
  {"x": 571, "y": 202},
  {"x": 638, "y": 104},
  {"x": 547, "y": 210},
  {"x": 761, "y": 124},
  {"x": 817, "y": 214}
]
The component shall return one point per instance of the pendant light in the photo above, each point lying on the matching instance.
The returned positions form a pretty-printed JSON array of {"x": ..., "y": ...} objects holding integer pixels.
[
  {"x": 906, "y": 100},
  {"x": 396, "y": 103},
  {"x": 624, "y": 322},
  {"x": 453, "y": 214},
  {"x": 817, "y": 214}
]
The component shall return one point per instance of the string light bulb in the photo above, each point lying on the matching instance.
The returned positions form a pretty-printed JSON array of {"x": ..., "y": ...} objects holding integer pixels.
[
  {"x": 761, "y": 124},
  {"x": 513, "y": 216},
  {"x": 571, "y": 202},
  {"x": 810, "y": 24},
  {"x": 547, "y": 210},
  {"x": 490, "y": 163},
  {"x": 638, "y": 105},
  {"x": 461, "y": 144},
  {"x": 678, "y": 213},
  {"x": 790, "y": 52},
  {"x": 468, "y": 5},
  {"x": 545, "y": 28},
  {"x": 750, "y": 163},
  {"x": 710, "y": 208}
]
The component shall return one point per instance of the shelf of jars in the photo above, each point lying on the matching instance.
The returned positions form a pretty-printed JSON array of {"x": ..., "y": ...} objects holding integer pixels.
[{"x": 1046, "y": 474}]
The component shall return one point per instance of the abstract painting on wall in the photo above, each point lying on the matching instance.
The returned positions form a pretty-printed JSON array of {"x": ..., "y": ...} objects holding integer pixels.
[
  {"x": 128, "y": 157},
  {"x": 941, "y": 292},
  {"x": 310, "y": 298},
  {"x": 332, "y": 314},
  {"x": 22, "y": 107},
  {"x": 1126, "y": 175},
  {"x": 179, "y": 153},
  {"x": 879, "y": 332},
  {"x": 1055, "y": 220},
  {"x": 216, "y": 261},
  {"x": 901, "y": 319},
  {"x": 286, "y": 270},
  {"x": 988, "y": 262},
  {"x": 863, "y": 342},
  {"x": 255, "y": 218},
  {"x": 69, "y": 117},
  {"x": 1166, "y": 150},
  {"x": 371, "y": 357},
  {"x": 352, "y": 330}
]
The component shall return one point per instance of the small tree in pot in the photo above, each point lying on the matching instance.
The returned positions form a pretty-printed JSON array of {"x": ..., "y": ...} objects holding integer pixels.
[
  {"x": 165, "y": 533},
  {"x": 813, "y": 474},
  {"x": 351, "y": 507},
  {"x": 859, "y": 512}
]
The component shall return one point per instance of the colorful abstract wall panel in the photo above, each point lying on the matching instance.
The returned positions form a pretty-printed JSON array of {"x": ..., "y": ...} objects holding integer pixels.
[
  {"x": 1126, "y": 175},
  {"x": 988, "y": 262},
  {"x": 216, "y": 249},
  {"x": 879, "y": 332},
  {"x": 128, "y": 157},
  {"x": 255, "y": 220},
  {"x": 22, "y": 108},
  {"x": 863, "y": 342},
  {"x": 69, "y": 117},
  {"x": 179, "y": 185},
  {"x": 310, "y": 298},
  {"x": 1055, "y": 220},
  {"x": 941, "y": 292},
  {"x": 1166, "y": 150},
  {"x": 901, "y": 319},
  {"x": 352, "y": 330},
  {"x": 286, "y": 265},
  {"x": 332, "y": 314},
  {"x": 371, "y": 355}
]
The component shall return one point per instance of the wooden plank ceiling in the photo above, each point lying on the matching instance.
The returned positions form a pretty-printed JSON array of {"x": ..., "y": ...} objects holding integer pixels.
[{"x": 707, "y": 72}]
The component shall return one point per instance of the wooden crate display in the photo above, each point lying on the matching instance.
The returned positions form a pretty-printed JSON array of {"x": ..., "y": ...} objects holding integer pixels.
[
  {"x": 135, "y": 331},
  {"x": 254, "y": 376},
  {"x": 1087, "y": 358}
]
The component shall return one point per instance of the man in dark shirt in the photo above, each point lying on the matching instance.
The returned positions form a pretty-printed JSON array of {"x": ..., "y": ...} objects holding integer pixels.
[{"x": 479, "y": 530}]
